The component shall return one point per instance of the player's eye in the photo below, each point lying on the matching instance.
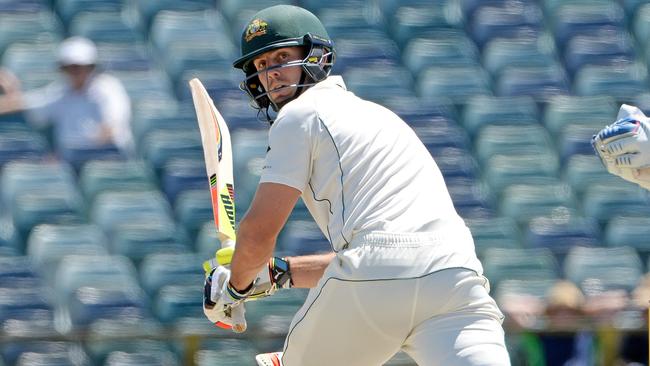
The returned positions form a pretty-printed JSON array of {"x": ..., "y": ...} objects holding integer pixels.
[{"x": 260, "y": 65}]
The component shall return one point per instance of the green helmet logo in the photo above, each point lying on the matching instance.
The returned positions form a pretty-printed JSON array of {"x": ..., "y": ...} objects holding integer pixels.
[{"x": 256, "y": 28}]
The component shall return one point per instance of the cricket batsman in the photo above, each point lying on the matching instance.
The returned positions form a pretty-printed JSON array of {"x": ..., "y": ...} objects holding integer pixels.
[
  {"x": 402, "y": 273},
  {"x": 623, "y": 146}
]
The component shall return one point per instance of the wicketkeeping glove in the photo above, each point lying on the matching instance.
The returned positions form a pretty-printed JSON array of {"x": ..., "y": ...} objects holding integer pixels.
[{"x": 624, "y": 148}]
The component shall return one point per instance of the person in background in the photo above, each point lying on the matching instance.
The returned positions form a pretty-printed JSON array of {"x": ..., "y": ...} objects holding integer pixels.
[{"x": 87, "y": 109}]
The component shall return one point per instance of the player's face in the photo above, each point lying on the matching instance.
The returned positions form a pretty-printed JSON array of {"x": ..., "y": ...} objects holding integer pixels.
[
  {"x": 77, "y": 74},
  {"x": 282, "y": 77}
]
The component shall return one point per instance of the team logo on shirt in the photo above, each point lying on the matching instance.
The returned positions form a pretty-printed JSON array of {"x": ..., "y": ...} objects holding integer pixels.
[{"x": 256, "y": 28}]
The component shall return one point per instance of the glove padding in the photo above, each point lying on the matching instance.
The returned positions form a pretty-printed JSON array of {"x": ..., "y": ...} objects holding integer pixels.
[
  {"x": 624, "y": 148},
  {"x": 222, "y": 304}
]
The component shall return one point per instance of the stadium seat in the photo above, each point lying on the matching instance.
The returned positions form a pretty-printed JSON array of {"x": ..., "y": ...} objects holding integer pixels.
[
  {"x": 349, "y": 20},
  {"x": 302, "y": 237},
  {"x": 180, "y": 175},
  {"x": 136, "y": 240},
  {"x": 67, "y": 9},
  {"x": 171, "y": 27},
  {"x": 524, "y": 202},
  {"x": 539, "y": 82},
  {"x": 87, "y": 304},
  {"x": 583, "y": 171},
  {"x": 519, "y": 264},
  {"x": 501, "y": 53},
  {"x": 23, "y": 58},
  {"x": 175, "y": 302},
  {"x": 535, "y": 168},
  {"x": 605, "y": 48},
  {"x": 496, "y": 232},
  {"x": 481, "y": 111},
  {"x": 456, "y": 163},
  {"x": 376, "y": 82},
  {"x": 22, "y": 145},
  {"x": 420, "y": 53},
  {"x": 630, "y": 232},
  {"x": 505, "y": 21},
  {"x": 143, "y": 84},
  {"x": 512, "y": 141},
  {"x": 576, "y": 139},
  {"x": 146, "y": 10},
  {"x": 561, "y": 233},
  {"x": 622, "y": 82},
  {"x": 248, "y": 151},
  {"x": 536, "y": 288},
  {"x": 564, "y": 110},
  {"x": 604, "y": 202},
  {"x": 439, "y": 133},
  {"x": 113, "y": 208},
  {"x": 16, "y": 271},
  {"x": 117, "y": 56},
  {"x": 98, "y": 176},
  {"x": 10, "y": 242},
  {"x": 641, "y": 24},
  {"x": 193, "y": 208},
  {"x": 272, "y": 316},
  {"x": 370, "y": 47},
  {"x": 105, "y": 27},
  {"x": 161, "y": 146},
  {"x": 126, "y": 335},
  {"x": 77, "y": 271},
  {"x": 583, "y": 18},
  {"x": 160, "y": 269},
  {"x": 48, "y": 243},
  {"x": 207, "y": 242},
  {"x": 471, "y": 198},
  {"x": 417, "y": 112},
  {"x": 21, "y": 176},
  {"x": 52, "y": 358},
  {"x": 12, "y": 351},
  {"x": 174, "y": 120},
  {"x": 23, "y": 6},
  {"x": 25, "y": 303},
  {"x": 41, "y": 26},
  {"x": 137, "y": 358},
  {"x": 600, "y": 269},
  {"x": 455, "y": 82},
  {"x": 219, "y": 80},
  {"x": 412, "y": 19}
]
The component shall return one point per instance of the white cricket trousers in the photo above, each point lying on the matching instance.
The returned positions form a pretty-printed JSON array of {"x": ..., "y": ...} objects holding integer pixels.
[{"x": 442, "y": 318}]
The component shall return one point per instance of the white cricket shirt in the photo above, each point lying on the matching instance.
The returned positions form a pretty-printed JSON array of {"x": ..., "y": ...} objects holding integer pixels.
[{"x": 360, "y": 168}]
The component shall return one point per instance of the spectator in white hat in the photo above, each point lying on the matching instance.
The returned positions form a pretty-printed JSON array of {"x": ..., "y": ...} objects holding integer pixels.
[{"x": 88, "y": 109}]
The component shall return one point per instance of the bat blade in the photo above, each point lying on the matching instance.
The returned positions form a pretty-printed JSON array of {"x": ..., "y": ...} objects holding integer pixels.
[{"x": 217, "y": 152}]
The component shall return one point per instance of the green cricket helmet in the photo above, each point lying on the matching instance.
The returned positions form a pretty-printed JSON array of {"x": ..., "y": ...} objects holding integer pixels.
[{"x": 284, "y": 26}]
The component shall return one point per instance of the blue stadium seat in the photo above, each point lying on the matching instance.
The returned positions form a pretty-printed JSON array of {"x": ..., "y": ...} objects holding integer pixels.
[
  {"x": 174, "y": 121},
  {"x": 13, "y": 351},
  {"x": 146, "y": 10},
  {"x": 364, "y": 48},
  {"x": 506, "y": 21},
  {"x": 22, "y": 145},
  {"x": 564, "y": 110},
  {"x": 537, "y": 288},
  {"x": 218, "y": 80},
  {"x": 160, "y": 269},
  {"x": 641, "y": 24},
  {"x": 48, "y": 243},
  {"x": 23, "y": 6},
  {"x": 420, "y": 53},
  {"x": 175, "y": 302},
  {"x": 413, "y": 19},
  {"x": 137, "y": 358},
  {"x": 41, "y": 25},
  {"x": 631, "y": 232},
  {"x": 23, "y": 58},
  {"x": 605, "y": 48},
  {"x": 481, "y": 111},
  {"x": 146, "y": 83},
  {"x": 379, "y": 81},
  {"x": 501, "y": 53},
  {"x": 136, "y": 240},
  {"x": 10, "y": 242},
  {"x": 113, "y": 208},
  {"x": 440, "y": 133},
  {"x": 227, "y": 352},
  {"x": 349, "y": 20},
  {"x": 582, "y": 171},
  {"x": 77, "y": 271},
  {"x": 87, "y": 304},
  {"x": 456, "y": 163},
  {"x": 180, "y": 175},
  {"x": 18, "y": 270},
  {"x": 98, "y": 176},
  {"x": 455, "y": 82},
  {"x": 105, "y": 26},
  {"x": 24, "y": 303},
  {"x": 512, "y": 140},
  {"x": 562, "y": 233},
  {"x": 604, "y": 202},
  {"x": 596, "y": 270},
  {"x": 539, "y": 82},
  {"x": 583, "y": 18},
  {"x": 524, "y": 202},
  {"x": 160, "y": 146},
  {"x": 111, "y": 335},
  {"x": 248, "y": 151},
  {"x": 52, "y": 358},
  {"x": 235, "y": 107},
  {"x": 624, "y": 82},
  {"x": 117, "y": 56},
  {"x": 521, "y": 264},
  {"x": 193, "y": 208},
  {"x": 418, "y": 112},
  {"x": 67, "y": 9},
  {"x": 235, "y": 10},
  {"x": 576, "y": 139},
  {"x": 472, "y": 199},
  {"x": 496, "y": 232},
  {"x": 535, "y": 168},
  {"x": 302, "y": 237},
  {"x": 22, "y": 176}
]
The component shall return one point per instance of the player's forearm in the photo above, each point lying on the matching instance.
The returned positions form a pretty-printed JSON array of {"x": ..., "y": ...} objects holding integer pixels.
[
  {"x": 10, "y": 103},
  {"x": 307, "y": 270},
  {"x": 251, "y": 254}
]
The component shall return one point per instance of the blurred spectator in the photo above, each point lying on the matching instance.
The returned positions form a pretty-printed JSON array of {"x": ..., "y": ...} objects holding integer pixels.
[
  {"x": 87, "y": 108},
  {"x": 634, "y": 345}
]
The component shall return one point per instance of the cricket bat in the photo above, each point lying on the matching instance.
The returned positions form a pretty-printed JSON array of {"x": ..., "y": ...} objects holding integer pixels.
[{"x": 217, "y": 152}]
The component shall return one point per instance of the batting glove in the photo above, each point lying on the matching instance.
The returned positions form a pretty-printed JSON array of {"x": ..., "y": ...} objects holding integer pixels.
[
  {"x": 624, "y": 148},
  {"x": 222, "y": 304}
]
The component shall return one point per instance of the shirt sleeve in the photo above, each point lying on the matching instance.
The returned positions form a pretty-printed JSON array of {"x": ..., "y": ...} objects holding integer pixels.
[
  {"x": 115, "y": 109},
  {"x": 289, "y": 156},
  {"x": 40, "y": 103}
]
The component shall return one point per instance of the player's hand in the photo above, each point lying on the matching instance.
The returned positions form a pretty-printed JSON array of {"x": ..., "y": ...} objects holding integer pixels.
[
  {"x": 222, "y": 304},
  {"x": 624, "y": 148}
]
